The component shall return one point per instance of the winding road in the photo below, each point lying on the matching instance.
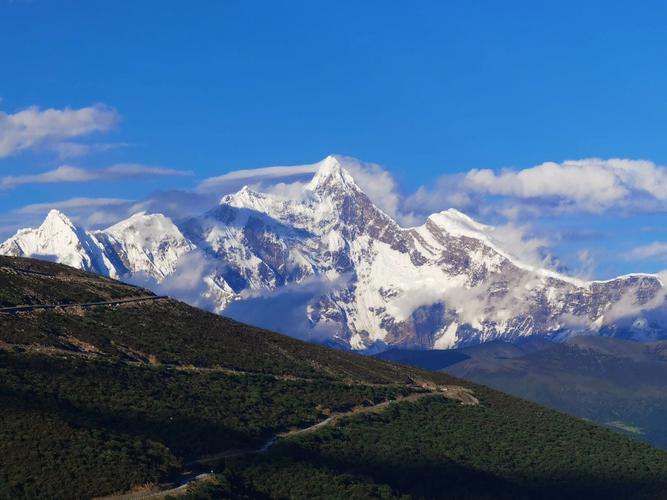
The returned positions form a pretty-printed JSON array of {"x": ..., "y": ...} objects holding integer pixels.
[
  {"x": 34, "y": 307},
  {"x": 451, "y": 392}
]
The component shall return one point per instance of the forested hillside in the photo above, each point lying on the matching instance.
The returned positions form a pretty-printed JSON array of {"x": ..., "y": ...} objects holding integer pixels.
[{"x": 618, "y": 383}]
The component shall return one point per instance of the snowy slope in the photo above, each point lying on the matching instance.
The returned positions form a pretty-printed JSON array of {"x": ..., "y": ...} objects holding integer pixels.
[
  {"x": 146, "y": 244},
  {"x": 150, "y": 244},
  {"x": 369, "y": 282},
  {"x": 60, "y": 240}
]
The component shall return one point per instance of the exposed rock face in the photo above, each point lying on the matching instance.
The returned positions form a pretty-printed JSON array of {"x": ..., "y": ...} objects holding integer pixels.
[{"x": 445, "y": 283}]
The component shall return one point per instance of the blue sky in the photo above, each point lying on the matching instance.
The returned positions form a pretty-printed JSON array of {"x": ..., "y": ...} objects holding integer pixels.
[{"x": 171, "y": 93}]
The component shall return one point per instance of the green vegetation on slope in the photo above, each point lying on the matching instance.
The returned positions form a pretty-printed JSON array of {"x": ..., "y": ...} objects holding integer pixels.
[
  {"x": 154, "y": 417},
  {"x": 30, "y": 281},
  {"x": 619, "y": 383},
  {"x": 434, "y": 448}
]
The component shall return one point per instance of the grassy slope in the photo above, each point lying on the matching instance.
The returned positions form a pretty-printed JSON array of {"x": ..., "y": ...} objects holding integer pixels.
[
  {"x": 29, "y": 281},
  {"x": 100, "y": 400}
]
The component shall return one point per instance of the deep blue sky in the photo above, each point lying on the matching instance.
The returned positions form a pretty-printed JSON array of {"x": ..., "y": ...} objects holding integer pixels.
[{"x": 423, "y": 88}]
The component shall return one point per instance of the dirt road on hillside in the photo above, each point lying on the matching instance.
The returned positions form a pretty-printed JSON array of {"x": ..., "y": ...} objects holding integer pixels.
[
  {"x": 84, "y": 305},
  {"x": 461, "y": 394}
]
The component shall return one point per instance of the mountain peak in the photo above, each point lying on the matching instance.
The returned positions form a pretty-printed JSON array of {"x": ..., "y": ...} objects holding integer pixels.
[
  {"x": 244, "y": 197},
  {"x": 147, "y": 243},
  {"x": 144, "y": 227},
  {"x": 331, "y": 173},
  {"x": 457, "y": 223},
  {"x": 56, "y": 220},
  {"x": 59, "y": 239},
  {"x": 144, "y": 216},
  {"x": 248, "y": 192}
]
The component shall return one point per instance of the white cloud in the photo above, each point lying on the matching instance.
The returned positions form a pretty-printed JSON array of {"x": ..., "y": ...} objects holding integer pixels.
[
  {"x": 64, "y": 173},
  {"x": 587, "y": 263},
  {"x": 72, "y": 204},
  {"x": 473, "y": 305},
  {"x": 591, "y": 185},
  {"x": 176, "y": 204},
  {"x": 33, "y": 127},
  {"x": 654, "y": 250},
  {"x": 188, "y": 282},
  {"x": 91, "y": 213},
  {"x": 105, "y": 216},
  {"x": 288, "y": 309},
  {"x": 131, "y": 169},
  {"x": 68, "y": 173},
  {"x": 68, "y": 150},
  {"x": 516, "y": 241},
  {"x": 378, "y": 184},
  {"x": 632, "y": 303},
  {"x": 445, "y": 193},
  {"x": 253, "y": 176}
]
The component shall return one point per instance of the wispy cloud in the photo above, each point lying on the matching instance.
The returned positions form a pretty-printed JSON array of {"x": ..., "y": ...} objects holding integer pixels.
[
  {"x": 73, "y": 204},
  {"x": 34, "y": 127},
  {"x": 67, "y": 150},
  {"x": 68, "y": 173},
  {"x": 91, "y": 213},
  {"x": 177, "y": 204},
  {"x": 255, "y": 175},
  {"x": 131, "y": 169},
  {"x": 656, "y": 250},
  {"x": 518, "y": 241}
]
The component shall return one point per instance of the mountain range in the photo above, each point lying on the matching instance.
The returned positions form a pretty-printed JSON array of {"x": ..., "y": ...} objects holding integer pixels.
[{"x": 335, "y": 268}]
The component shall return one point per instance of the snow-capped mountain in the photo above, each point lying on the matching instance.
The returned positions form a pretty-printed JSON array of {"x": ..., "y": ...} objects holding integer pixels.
[
  {"x": 150, "y": 244},
  {"x": 60, "y": 240},
  {"x": 369, "y": 282},
  {"x": 146, "y": 244}
]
